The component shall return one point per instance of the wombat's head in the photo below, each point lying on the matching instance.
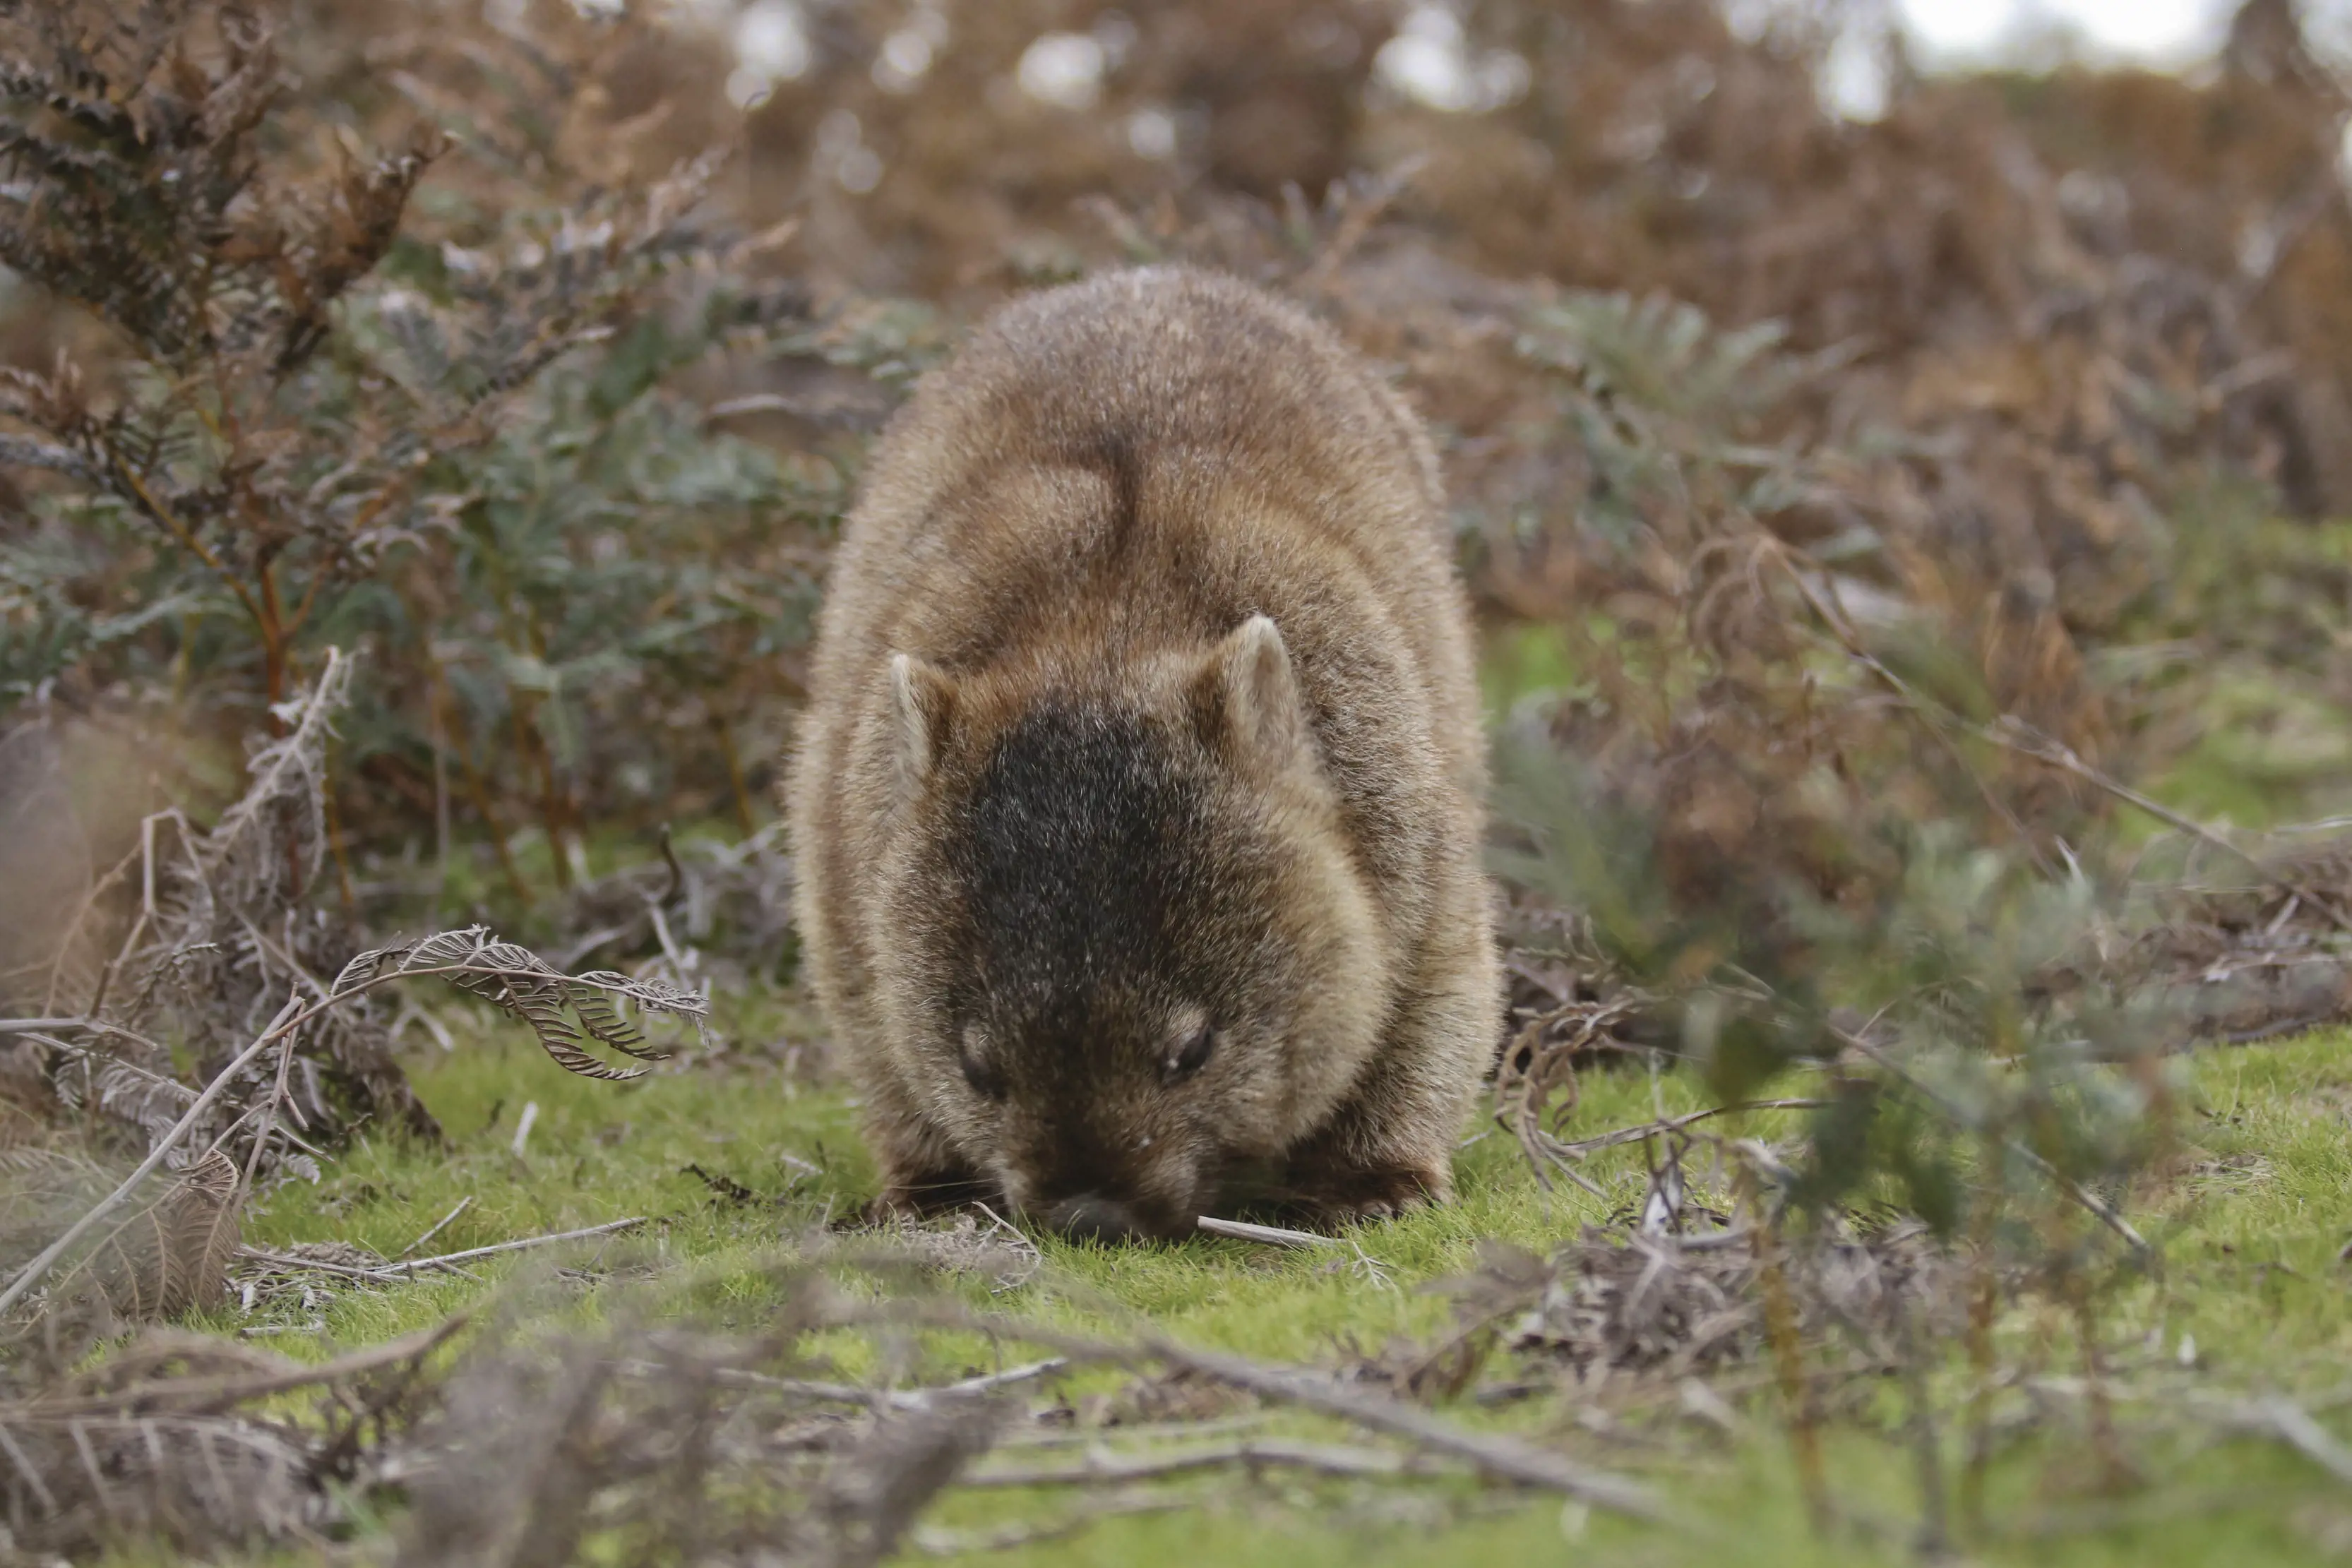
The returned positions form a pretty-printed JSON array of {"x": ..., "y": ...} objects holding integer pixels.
[{"x": 1126, "y": 943}]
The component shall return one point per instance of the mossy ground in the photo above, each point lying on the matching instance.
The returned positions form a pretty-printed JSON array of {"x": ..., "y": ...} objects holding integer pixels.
[{"x": 2249, "y": 1219}]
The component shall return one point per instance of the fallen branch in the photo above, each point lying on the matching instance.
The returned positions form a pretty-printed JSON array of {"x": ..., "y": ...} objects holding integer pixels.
[
  {"x": 2282, "y": 1418},
  {"x": 316, "y": 1265},
  {"x": 2098, "y": 1206},
  {"x": 399, "y": 1270},
  {"x": 1493, "y": 1453},
  {"x": 1100, "y": 1466},
  {"x": 464, "y": 1203},
  {"x": 1635, "y": 1135},
  {"x": 934, "y": 1542},
  {"x": 909, "y": 1399},
  {"x": 209, "y": 1395},
  {"x": 2013, "y": 734},
  {"x": 1496, "y": 1455}
]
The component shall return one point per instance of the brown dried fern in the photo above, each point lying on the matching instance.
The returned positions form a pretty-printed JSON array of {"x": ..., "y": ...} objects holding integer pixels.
[
  {"x": 171, "y": 1254},
  {"x": 566, "y": 1012}
]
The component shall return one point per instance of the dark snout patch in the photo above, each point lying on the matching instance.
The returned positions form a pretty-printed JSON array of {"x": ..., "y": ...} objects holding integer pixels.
[
  {"x": 1088, "y": 1218},
  {"x": 1091, "y": 1216},
  {"x": 1101, "y": 903}
]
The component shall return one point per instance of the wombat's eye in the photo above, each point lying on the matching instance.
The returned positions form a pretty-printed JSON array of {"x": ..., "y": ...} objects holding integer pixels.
[
  {"x": 1191, "y": 1055},
  {"x": 983, "y": 1079}
]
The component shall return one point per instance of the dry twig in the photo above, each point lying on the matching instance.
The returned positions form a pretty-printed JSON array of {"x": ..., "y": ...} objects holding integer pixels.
[
  {"x": 1492, "y": 1453},
  {"x": 1102, "y": 1466}
]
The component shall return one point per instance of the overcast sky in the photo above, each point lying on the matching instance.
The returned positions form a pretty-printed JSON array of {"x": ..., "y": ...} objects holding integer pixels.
[{"x": 2154, "y": 29}]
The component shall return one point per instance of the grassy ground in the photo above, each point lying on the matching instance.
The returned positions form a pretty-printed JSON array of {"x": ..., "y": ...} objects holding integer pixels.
[{"x": 2249, "y": 1221}]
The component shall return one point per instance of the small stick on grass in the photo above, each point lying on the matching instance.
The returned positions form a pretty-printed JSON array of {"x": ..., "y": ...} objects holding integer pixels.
[
  {"x": 1492, "y": 1453},
  {"x": 989, "y": 1381},
  {"x": 524, "y": 1128},
  {"x": 933, "y": 1542},
  {"x": 1101, "y": 1466},
  {"x": 1272, "y": 1235},
  {"x": 396, "y": 1270},
  {"x": 399, "y": 1270},
  {"x": 850, "y": 1394},
  {"x": 1139, "y": 1432},
  {"x": 464, "y": 1203},
  {"x": 1369, "y": 1267}
]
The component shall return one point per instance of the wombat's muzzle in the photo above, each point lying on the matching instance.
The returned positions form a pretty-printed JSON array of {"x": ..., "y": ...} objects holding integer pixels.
[{"x": 1092, "y": 1217}]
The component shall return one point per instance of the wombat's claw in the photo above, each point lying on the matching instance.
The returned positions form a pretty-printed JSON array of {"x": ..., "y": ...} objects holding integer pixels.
[
  {"x": 1363, "y": 1197},
  {"x": 887, "y": 1209}
]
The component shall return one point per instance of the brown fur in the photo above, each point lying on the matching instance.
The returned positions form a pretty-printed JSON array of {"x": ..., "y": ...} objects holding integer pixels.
[{"x": 1067, "y": 809}]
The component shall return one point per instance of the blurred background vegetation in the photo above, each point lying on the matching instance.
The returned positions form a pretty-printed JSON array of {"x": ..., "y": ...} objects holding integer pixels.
[
  {"x": 1909, "y": 512},
  {"x": 2044, "y": 370}
]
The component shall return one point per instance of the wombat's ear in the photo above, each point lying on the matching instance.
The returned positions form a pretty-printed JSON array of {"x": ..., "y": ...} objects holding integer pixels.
[
  {"x": 922, "y": 701},
  {"x": 1246, "y": 695}
]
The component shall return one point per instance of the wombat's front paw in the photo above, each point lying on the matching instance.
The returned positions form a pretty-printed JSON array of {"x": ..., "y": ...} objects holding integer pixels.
[{"x": 1346, "y": 1197}]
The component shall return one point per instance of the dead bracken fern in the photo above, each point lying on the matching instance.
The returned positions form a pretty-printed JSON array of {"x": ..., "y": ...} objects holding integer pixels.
[
  {"x": 160, "y": 140},
  {"x": 138, "y": 188},
  {"x": 657, "y": 1439},
  {"x": 162, "y": 1443},
  {"x": 562, "y": 1010},
  {"x": 705, "y": 912},
  {"x": 69, "y": 1483},
  {"x": 1636, "y": 1305},
  {"x": 196, "y": 939},
  {"x": 565, "y": 1011},
  {"x": 326, "y": 392},
  {"x": 202, "y": 933},
  {"x": 171, "y": 1254},
  {"x": 216, "y": 942},
  {"x": 667, "y": 1443}
]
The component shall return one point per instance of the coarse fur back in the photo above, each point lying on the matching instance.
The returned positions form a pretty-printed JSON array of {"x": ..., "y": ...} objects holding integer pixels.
[{"x": 1137, "y": 807}]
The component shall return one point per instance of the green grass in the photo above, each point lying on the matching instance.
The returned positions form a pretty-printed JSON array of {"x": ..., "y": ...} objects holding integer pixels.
[
  {"x": 2267, "y": 751},
  {"x": 2249, "y": 1221}
]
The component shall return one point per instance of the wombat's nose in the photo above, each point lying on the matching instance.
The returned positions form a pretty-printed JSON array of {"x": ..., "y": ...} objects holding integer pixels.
[{"x": 1092, "y": 1218}]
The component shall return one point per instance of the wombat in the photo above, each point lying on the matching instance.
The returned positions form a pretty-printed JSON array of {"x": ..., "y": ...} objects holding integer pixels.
[{"x": 1137, "y": 807}]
